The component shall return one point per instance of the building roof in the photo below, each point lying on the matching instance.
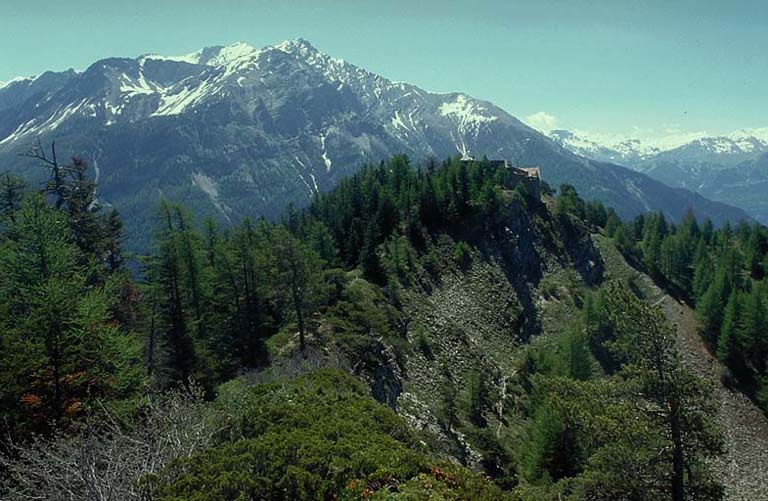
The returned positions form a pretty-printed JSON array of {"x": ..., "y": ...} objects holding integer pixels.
[{"x": 531, "y": 171}]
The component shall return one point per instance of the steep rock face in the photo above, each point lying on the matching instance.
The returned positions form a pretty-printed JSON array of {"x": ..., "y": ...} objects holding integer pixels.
[
  {"x": 235, "y": 131},
  {"x": 477, "y": 319}
]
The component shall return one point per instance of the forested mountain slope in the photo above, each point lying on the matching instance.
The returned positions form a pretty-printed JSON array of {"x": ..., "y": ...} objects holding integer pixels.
[
  {"x": 413, "y": 333},
  {"x": 237, "y": 131},
  {"x": 742, "y": 467}
]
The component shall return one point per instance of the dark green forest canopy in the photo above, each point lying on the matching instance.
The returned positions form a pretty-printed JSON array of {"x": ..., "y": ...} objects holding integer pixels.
[{"x": 83, "y": 338}]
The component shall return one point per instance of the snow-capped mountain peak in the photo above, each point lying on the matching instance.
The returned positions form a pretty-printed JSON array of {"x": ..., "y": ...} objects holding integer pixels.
[
  {"x": 297, "y": 45},
  {"x": 633, "y": 151},
  {"x": 230, "y": 55},
  {"x": 759, "y": 133},
  {"x": 245, "y": 131},
  {"x": 742, "y": 141},
  {"x": 608, "y": 147},
  {"x": 219, "y": 55},
  {"x": 17, "y": 80},
  {"x": 192, "y": 58},
  {"x": 117, "y": 89}
]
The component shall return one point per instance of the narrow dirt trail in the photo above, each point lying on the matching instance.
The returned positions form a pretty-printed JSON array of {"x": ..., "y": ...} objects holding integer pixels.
[{"x": 744, "y": 467}]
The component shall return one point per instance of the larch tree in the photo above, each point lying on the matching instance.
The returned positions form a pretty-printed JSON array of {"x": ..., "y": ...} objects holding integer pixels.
[
  {"x": 681, "y": 402},
  {"x": 63, "y": 346},
  {"x": 298, "y": 270}
]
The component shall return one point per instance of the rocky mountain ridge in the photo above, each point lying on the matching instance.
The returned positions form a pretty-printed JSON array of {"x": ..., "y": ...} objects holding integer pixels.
[{"x": 235, "y": 131}]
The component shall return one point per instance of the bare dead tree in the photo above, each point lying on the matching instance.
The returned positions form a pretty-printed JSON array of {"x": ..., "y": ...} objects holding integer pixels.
[
  {"x": 110, "y": 461},
  {"x": 50, "y": 162},
  {"x": 62, "y": 179}
]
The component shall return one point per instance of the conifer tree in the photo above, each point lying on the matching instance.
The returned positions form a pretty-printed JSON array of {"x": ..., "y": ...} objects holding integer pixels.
[
  {"x": 654, "y": 231},
  {"x": 552, "y": 452},
  {"x": 112, "y": 242},
  {"x": 299, "y": 272},
  {"x": 710, "y": 308},
  {"x": 321, "y": 241},
  {"x": 707, "y": 231},
  {"x": 478, "y": 398},
  {"x": 12, "y": 189},
  {"x": 596, "y": 213},
  {"x": 727, "y": 342},
  {"x": 354, "y": 241},
  {"x": 167, "y": 271},
  {"x": 569, "y": 202},
  {"x": 577, "y": 355},
  {"x": 369, "y": 256},
  {"x": 703, "y": 273},
  {"x": 752, "y": 337},
  {"x": 623, "y": 242},
  {"x": 753, "y": 252},
  {"x": 247, "y": 281},
  {"x": 60, "y": 342},
  {"x": 447, "y": 405},
  {"x": 685, "y": 409}
]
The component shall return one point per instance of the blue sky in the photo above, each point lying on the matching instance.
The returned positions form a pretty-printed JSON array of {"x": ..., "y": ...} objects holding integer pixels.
[{"x": 618, "y": 66}]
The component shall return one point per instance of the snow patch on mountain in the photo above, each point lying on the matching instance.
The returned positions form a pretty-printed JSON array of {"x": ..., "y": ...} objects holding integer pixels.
[
  {"x": 234, "y": 58},
  {"x": 404, "y": 125},
  {"x": 19, "y": 132},
  {"x": 14, "y": 80},
  {"x": 333, "y": 68},
  {"x": 132, "y": 86},
  {"x": 53, "y": 121},
  {"x": 327, "y": 160},
  {"x": 193, "y": 58},
  {"x": 176, "y": 101},
  {"x": 466, "y": 110},
  {"x": 760, "y": 134}
]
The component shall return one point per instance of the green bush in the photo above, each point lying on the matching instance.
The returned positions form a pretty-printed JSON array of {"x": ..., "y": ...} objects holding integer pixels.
[
  {"x": 462, "y": 255},
  {"x": 319, "y": 436},
  {"x": 306, "y": 439},
  {"x": 423, "y": 343}
]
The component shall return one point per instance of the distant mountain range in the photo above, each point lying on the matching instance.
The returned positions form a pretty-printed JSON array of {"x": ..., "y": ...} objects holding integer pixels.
[
  {"x": 234, "y": 131},
  {"x": 730, "y": 168}
]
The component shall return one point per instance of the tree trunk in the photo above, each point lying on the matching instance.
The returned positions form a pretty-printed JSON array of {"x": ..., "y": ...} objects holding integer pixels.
[
  {"x": 678, "y": 461},
  {"x": 299, "y": 316},
  {"x": 55, "y": 355},
  {"x": 297, "y": 301},
  {"x": 151, "y": 340}
]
